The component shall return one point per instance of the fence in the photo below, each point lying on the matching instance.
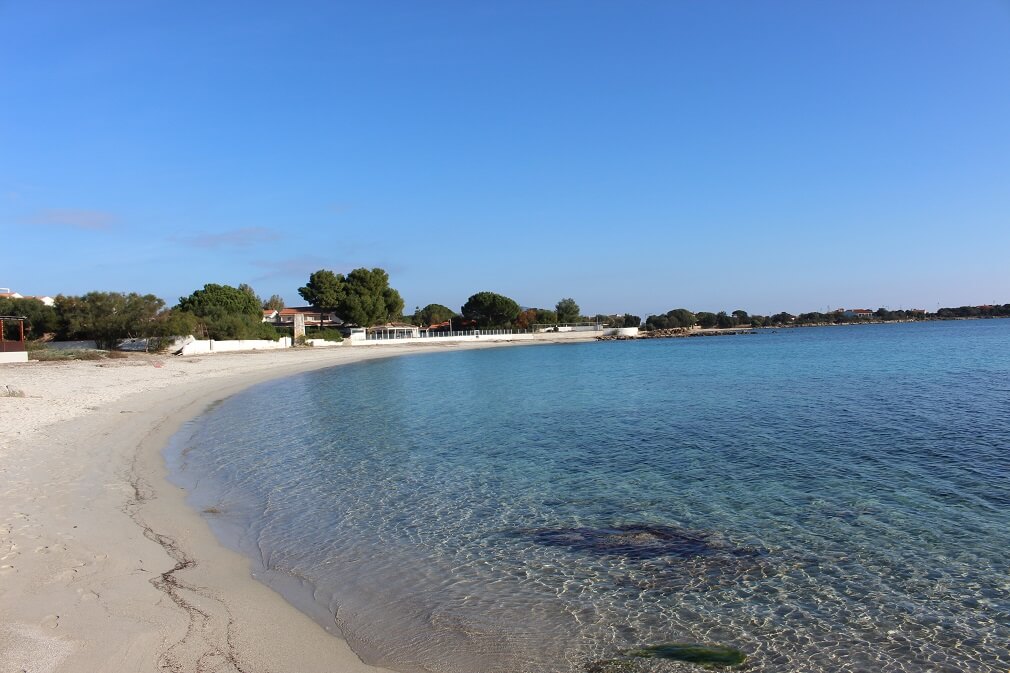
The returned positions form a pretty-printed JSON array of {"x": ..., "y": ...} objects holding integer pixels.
[{"x": 360, "y": 337}]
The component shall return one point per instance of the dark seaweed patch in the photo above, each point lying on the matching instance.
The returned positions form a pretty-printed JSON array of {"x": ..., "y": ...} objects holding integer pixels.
[
  {"x": 705, "y": 655},
  {"x": 640, "y": 541}
]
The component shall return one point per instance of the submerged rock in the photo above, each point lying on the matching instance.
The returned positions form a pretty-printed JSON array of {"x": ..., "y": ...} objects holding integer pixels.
[
  {"x": 709, "y": 656},
  {"x": 640, "y": 541}
]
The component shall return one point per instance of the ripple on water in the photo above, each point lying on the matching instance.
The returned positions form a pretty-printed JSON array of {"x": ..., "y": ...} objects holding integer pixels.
[{"x": 821, "y": 500}]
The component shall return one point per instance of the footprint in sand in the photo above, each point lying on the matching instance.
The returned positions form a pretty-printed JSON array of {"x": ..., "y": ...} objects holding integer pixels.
[
  {"x": 51, "y": 621},
  {"x": 4, "y": 570},
  {"x": 87, "y": 595}
]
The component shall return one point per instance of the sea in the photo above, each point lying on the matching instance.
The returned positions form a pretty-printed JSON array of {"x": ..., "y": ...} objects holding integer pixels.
[{"x": 818, "y": 499}]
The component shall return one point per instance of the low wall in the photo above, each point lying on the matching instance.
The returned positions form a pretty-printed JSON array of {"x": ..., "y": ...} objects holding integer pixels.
[
  {"x": 13, "y": 356},
  {"x": 621, "y": 331},
  {"x": 201, "y": 346},
  {"x": 322, "y": 343}
]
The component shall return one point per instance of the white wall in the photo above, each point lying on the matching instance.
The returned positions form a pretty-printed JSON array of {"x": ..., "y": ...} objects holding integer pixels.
[
  {"x": 621, "y": 331},
  {"x": 13, "y": 356},
  {"x": 199, "y": 346},
  {"x": 322, "y": 343}
]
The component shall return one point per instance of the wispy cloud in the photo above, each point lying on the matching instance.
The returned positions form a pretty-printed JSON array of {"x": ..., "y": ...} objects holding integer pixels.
[
  {"x": 93, "y": 220},
  {"x": 246, "y": 237}
]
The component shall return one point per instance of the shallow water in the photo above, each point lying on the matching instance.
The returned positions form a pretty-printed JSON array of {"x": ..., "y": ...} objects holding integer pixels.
[{"x": 832, "y": 499}]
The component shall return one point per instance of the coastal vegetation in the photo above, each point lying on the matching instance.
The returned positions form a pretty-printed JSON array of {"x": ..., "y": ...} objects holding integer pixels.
[
  {"x": 683, "y": 318},
  {"x": 567, "y": 310},
  {"x": 40, "y": 318},
  {"x": 536, "y": 316},
  {"x": 106, "y": 317},
  {"x": 490, "y": 310},
  {"x": 432, "y": 314},
  {"x": 364, "y": 297},
  {"x": 223, "y": 312}
]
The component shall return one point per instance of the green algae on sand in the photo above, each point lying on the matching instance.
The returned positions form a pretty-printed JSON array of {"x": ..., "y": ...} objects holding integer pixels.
[{"x": 710, "y": 656}]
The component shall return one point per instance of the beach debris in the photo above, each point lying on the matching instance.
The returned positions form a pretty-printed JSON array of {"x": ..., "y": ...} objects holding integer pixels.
[
  {"x": 11, "y": 391},
  {"x": 707, "y": 656},
  {"x": 641, "y": 541}
]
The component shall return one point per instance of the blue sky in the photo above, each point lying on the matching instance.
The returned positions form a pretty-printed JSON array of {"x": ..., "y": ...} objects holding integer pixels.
[{"x": 637, "y": 156}]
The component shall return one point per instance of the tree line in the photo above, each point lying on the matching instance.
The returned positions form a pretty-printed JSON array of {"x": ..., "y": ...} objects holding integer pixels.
[
  {"x": 490, "y": 310},
  {"x": 364, "y": 297},
  {"x": 107, "y": 318},
  {"x": 683, "y": 318}
]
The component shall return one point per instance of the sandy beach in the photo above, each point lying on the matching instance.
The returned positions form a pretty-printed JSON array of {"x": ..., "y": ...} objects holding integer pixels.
[{"x": 103, "y": 566}]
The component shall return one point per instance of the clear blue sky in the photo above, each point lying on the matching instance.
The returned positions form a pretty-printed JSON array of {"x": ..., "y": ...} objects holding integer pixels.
[{"x": 637, "y": 156}]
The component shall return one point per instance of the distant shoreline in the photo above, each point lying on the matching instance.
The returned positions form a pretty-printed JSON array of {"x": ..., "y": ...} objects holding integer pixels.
[{"x": 684, "y": 332}]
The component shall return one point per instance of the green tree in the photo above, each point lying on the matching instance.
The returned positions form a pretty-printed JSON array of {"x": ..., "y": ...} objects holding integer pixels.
[
  {"x": 741, "y": 317},
  {"x": 545, "y": 316},
  {"x": 368, "y": 299},
  {"x": 106, "y": 317},
  {"x": 325, "y": 290},
  {"x": 724, "y": 321},
  {"x": 245, "y": 287},
  {"x": 274, "y": 303},
  {"x": 224, "y": 312},
  {"x": 632, "y": 320},
  {"x": 41, "y": 318},
  {"x": 678, "y": 317},
  {"x": 168, "y": 324},
  {"x": 490, "y": 310},
  {"x": 706, "y": 320},
  {"x": 433, "y": 314},
  {"x": 816, "y": 317},
  {"x": 216, "y": 299},
  {"x": 567, "y": 310},
  {"x": 228, "y": 326}
]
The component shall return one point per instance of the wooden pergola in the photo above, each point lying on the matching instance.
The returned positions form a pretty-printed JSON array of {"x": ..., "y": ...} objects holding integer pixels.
[{"x": 11, "y": 346}]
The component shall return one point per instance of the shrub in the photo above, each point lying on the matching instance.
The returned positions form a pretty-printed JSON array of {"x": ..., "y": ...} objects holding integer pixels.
[{"x": 327, "y": 334}]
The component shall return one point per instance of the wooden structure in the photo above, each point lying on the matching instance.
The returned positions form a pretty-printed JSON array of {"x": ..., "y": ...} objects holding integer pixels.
[{"x": 12, "y": 350}]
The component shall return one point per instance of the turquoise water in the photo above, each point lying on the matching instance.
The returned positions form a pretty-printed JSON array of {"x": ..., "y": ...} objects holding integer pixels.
[{"x": 833, "y": 499}]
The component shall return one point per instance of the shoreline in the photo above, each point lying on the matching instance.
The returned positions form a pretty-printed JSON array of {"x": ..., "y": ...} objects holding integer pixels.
[{"x": 103, "y": 564}]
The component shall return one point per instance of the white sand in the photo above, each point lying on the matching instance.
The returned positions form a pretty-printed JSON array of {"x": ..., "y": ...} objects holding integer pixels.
[{"x": 103, "y": 567}]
